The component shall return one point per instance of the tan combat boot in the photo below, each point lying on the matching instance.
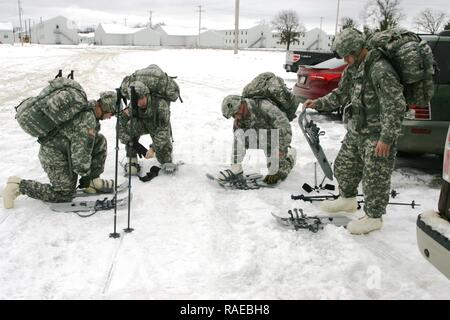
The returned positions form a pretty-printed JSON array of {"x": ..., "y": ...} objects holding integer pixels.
[
  {"x": 11, "y": 192},
  {"x": 98, "y": 185},
  {"x": 364, "y": 225},
  {"x": 341, "y": 204}
]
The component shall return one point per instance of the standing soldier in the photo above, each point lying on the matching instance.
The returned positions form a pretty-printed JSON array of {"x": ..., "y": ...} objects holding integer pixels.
[
  {"x": 258, "y": 115},
  {"x": 153, "y": 117},
  {"x": 371, "y": 88},
  {"x": 77, "y": 149}
]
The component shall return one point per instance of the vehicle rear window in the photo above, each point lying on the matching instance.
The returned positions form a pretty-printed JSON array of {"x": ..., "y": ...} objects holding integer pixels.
[
  {"x": 442, "y": 56},
  {"x": 329, "y": 64}
]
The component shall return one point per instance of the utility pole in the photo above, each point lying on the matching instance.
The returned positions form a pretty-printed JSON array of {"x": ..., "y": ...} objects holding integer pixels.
[
  {"x": 320, "y": 34},
  {"x": 337, "y": 18},
  {"x": 20, "y": 15},
  {"x": 150, "y": 12},
  {"x": 199, "y": 23},
  {"x": 236, "y": 27}
]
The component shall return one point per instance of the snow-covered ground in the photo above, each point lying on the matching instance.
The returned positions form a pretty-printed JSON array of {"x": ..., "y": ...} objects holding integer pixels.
[{"x": 192, "y": 239}]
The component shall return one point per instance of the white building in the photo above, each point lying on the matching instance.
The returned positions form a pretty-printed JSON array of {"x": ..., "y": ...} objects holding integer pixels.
[
  {"x": 146, "y": 37},
  {"x": 211, "y": 39},
  {"x": 118, "y": 35},
  {"x": 179, "y": 37},
  {"x": 87, "y": 38},
  {"x": 259, "y": 36},
  {"x": 6, "y": 33},
  {"x": 314, "y": 39},
  {"x": 58, "y": 30}
]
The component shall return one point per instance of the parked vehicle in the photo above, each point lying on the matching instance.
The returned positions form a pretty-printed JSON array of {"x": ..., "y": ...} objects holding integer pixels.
[
  {"x": 295, "y": 58},
  {"x": 433, "y": 228},
  {"x": 425, "y": 127},
  {"x": 316, "y": 81}
]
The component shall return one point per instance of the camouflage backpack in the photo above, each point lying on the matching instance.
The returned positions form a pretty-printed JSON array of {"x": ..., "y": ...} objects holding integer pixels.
[
  {"x": 413, "y": 60},
  {"x": 157, "y": 81},
  {"x": 55, "y": 105},
  {"x": 268, "y": 86}
]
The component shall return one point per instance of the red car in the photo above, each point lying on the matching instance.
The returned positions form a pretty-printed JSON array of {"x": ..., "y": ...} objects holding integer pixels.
[{"x": 316, "y": 81}]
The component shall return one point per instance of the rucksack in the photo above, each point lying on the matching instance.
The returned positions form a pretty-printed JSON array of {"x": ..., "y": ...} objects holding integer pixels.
[
  {"x": 157, "y": 81},
  {"x": 413, "y": 60},
  {"x": 55, "y": 105},
  {"x": 268, "y": 86}
]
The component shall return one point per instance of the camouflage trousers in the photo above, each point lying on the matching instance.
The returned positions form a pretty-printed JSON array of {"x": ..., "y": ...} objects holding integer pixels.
[
  {"x": 56, "y": 163},
  {"x": 282, "y": 166},
  {"x": 356, "y": 162}
]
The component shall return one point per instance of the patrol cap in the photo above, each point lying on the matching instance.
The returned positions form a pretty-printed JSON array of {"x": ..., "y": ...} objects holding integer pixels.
[
  {"x": 230, "y": 105},
  {"x": 348, "y": 41},
  {"x": 140, "y": 88},
  {"x": 108, "y": 99}
]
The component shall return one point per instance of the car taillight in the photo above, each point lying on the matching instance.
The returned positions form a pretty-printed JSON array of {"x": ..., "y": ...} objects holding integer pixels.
[
  {"x": 418, "y": 113},
  {"x": 325, "y": 76},
  {"x": 446, "y": 166},
  {"x": 295, "y": 57}
]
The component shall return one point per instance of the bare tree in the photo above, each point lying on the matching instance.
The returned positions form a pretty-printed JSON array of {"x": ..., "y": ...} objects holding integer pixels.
[
  {"x": 289, "y": 27},
  {"x": 430, "y": 20},
  {"x": 347, "y": 22},
  {"x": 447, "y": 26},
  {"x": 385, "y": 14}
]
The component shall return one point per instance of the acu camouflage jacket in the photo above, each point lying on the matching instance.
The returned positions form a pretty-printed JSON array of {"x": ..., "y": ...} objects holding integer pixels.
[{"x": 375, "y": 95}]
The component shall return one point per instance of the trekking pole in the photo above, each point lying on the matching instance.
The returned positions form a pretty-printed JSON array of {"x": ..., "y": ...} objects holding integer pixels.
[
  {"x": 413, "y": 204},
  {"x": 134, "y": 113},
  {"x": 315, "y": 175},
  {"x": 118, "y": 104}
]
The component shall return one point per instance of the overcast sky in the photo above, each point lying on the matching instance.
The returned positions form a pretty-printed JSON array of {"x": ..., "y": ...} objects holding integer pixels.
[{"x": 218, "y": 14}]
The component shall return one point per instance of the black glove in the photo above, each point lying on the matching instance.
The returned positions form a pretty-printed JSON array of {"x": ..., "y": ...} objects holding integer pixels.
[
  {"x": 139, "y": 148},
  {"x": 84, "y": 182},
  {"x": 154, "y": 171},
  {"x": 272, "y": 178}
]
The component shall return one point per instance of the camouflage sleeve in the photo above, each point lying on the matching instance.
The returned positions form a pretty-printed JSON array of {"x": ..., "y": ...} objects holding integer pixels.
[
  {"x": 130, "y": 128},
  {"x": 163, "y": 136},
  {"x": 338, "y": 97},
  {"x": 392, "y": 102},
  {"x": 278, "y": 120},
  {"x": 82, "y": 142}
]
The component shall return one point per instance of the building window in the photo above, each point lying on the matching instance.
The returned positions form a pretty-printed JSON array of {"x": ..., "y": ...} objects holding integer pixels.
[
  {"x": 303, "y": 43},
  {"x": 245, "y": 32},
  {"x": 242, "y": 41},
  {"x": 57, "y": 26},
  {"x": 233, "y": 41},
  {"x": 245, "y": 41},
  {"x": 234, "y": 33},
  {"x": 5, "y": 36},
  {"x": 242, "y": 33}
]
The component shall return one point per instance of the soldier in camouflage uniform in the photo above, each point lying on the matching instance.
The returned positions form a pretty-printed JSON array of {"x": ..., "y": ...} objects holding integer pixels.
[
  {"x": 371, "y": 89},
  {"x": 153, "y": 118},
  {"x": 78, "y": 149},
  {"x": 258, "y": 115}
]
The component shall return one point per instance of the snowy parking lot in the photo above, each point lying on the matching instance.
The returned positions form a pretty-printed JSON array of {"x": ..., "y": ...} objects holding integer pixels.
[{"x": 192, "y": 239}]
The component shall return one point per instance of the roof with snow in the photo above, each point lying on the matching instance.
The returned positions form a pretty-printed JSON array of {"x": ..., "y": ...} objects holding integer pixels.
[
  {"x": 180, "y": 31},
  {"x": 6, "y": 26},
  {"x": 113, "y": 28}
]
